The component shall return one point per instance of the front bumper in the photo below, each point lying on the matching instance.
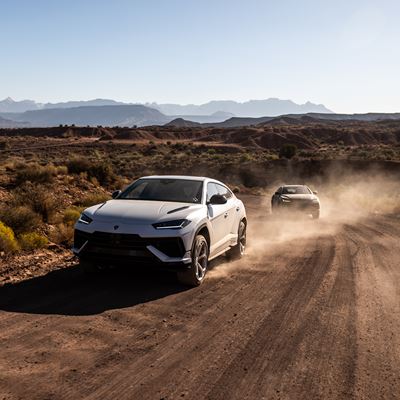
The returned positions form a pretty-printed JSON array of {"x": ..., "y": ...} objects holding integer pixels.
[
  {"x": 300, "y": 206},
  {"x": 127, "y": 248}
]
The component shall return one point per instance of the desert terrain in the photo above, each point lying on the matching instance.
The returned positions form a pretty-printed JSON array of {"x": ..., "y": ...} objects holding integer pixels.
[{"x": 311, "y": 312}]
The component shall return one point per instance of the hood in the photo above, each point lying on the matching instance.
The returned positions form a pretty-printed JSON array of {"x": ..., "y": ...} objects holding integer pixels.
[
  {"x": 300, "y": 196},
  {"x": 141, "y": 211}
]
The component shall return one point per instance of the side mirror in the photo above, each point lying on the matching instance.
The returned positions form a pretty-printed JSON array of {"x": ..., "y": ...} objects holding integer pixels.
[
  {"x": 315, "y": 192},
  {"x": 217, "y": 199},
  {"x": 115, "y": 194}
]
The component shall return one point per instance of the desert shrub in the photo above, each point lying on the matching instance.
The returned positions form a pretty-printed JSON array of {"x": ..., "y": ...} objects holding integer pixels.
[
  {"x": 236, "y": 189},
  {"x": 287, "y": 151},
  {"x": 94, "y": 181},
  {"x": 38, "y": 198},
  {"x": 62, "y": 170},
  {"x": 246, "y": 157},
  {"x": 35, "y": 173},
  {"x": 4, "y": 145},
  {"x": 179, "y": 146},
  {"x": 92, "y": 199},
  {"x": 71, "y": 215},
  {"x": 32, "y": 241},
  {"x": 306, "y": 153},
  {"x": 102, "y": 171},
  {"x": 8, "y": 244},
  {"x": 248, "y": 178},
  {"x": 211, "y": 151},
  {"x": 78, "y": 165},
  {"x": 63, "y": 234},
  {"x": 19, "y": 218}
]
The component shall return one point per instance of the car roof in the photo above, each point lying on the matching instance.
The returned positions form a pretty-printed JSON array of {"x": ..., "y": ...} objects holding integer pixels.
[
  {"x": 183, "y": 177},
  {"x": 193, "y": 178},
  {"x": 293, "y": 185}
]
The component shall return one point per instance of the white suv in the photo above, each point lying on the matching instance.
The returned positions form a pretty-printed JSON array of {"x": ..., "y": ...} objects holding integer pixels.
[{"x": 177, "y": 222}]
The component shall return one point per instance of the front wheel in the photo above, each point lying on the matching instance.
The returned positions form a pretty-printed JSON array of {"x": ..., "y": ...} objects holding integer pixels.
[
  {"x": 194, "y": 275},
  {"x": 237, "y": 251}
]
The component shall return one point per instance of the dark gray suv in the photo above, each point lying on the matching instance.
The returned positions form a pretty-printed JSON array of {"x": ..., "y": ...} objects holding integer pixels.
[{"x": 298, "y": 198}]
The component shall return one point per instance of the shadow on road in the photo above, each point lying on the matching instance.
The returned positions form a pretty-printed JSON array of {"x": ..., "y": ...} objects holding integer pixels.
[{"x": 70, "y": 292}]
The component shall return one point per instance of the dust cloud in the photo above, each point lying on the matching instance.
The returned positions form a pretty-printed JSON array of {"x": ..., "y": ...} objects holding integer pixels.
[{"x": 344, "y": 200}]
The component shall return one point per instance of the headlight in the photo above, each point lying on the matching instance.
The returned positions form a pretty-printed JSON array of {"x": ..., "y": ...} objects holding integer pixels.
[
  {"x": 84, "y": 219},
  {"x": 315, "y": 200},
  {"x": 286, "y": 200},
  {"x": 176, "y": 224}
]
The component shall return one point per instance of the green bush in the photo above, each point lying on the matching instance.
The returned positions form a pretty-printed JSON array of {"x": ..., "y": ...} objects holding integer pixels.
[
  {"x": 288, "y": 151},
  {"x": 71, "y": 215},
  {"x": 20, "y": 218},
  {"x": 35, "y": 173},
  {"x": 8, "y": 244},
  {"x": 32, "y": 241}
]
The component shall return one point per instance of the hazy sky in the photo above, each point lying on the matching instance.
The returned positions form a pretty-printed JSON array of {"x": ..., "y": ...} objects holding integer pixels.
[{"x": 342, "y": 53}]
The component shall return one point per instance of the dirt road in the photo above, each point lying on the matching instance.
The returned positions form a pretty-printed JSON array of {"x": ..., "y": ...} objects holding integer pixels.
[{"x": 313, "y": 312}]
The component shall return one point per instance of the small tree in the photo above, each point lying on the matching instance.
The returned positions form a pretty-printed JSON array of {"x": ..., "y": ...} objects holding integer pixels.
[{"x": 288, "y": 151}]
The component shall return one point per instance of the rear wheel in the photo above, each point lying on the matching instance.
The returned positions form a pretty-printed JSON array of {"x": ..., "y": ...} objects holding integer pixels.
[
  {"x": 194, "y": 275},
  {"x": 237, "y": 251}
]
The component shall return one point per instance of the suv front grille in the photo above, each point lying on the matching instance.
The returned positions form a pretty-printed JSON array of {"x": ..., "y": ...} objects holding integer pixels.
[{"x": 172, "y": 247}]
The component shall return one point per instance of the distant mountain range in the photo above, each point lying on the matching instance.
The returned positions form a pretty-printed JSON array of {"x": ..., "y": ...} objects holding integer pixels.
[
  {"x": 121, "y": 115},
  {"x": 8, "y": 105},
  {"x": 215, "y": 113},
  {"x": 6, "y": 123},
  {"x": 110, "y": 112},
  {"x": 251, "y": 108}
]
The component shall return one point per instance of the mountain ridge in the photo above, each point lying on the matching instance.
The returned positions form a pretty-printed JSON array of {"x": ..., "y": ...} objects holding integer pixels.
[
  {"x": 251, "y": 108},
  {"x": 108, "y": 115}
]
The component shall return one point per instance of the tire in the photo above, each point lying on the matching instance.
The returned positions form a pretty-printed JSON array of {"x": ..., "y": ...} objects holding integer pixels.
[
  {"x": 315, "y": 214},
  {"x": 194, "y": 275},
  {"x": 237, "y": 251}
]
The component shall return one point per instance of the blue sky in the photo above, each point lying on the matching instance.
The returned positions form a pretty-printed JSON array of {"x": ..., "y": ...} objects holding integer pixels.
[{"x": 344, "y": 54}]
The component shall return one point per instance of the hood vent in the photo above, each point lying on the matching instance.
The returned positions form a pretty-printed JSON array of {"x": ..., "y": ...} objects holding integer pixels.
[{"x": 177, "y": 209}]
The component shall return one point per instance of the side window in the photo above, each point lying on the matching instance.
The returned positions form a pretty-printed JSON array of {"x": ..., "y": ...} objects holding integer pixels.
[
  {"x": 223, "y": 191},
  {"x": 211, "y": 190}
]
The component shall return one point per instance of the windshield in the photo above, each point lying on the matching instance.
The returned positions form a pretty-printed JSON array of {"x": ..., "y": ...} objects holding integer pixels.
[
  {"x": 177, "y": 190},
  {"x": 295, "y": 190}
]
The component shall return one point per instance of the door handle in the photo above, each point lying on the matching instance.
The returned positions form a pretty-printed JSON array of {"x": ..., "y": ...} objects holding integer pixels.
[{"x": 237, "y": 208}]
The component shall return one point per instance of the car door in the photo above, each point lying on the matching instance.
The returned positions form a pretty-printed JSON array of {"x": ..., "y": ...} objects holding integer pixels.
[
  {"x": 230, "y": 230},
  {"x": 218, "y": 216}
]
